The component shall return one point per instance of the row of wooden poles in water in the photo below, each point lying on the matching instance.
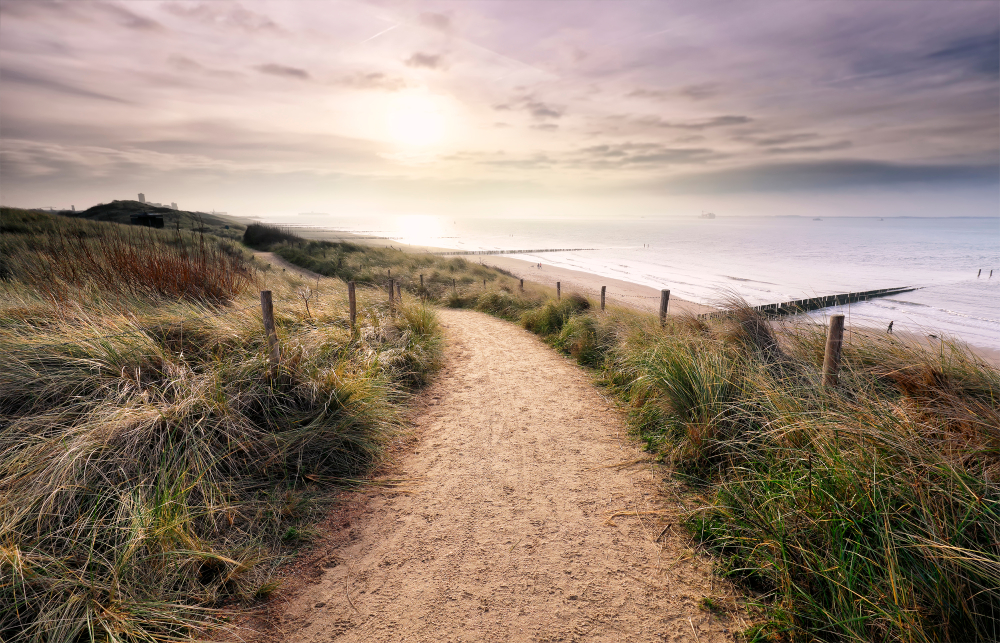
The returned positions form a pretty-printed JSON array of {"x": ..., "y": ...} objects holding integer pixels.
[{"x": 831, "y": 358}]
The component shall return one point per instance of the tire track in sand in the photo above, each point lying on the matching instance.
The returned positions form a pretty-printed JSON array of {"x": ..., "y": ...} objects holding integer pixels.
[{"x": 507, "y": 536}]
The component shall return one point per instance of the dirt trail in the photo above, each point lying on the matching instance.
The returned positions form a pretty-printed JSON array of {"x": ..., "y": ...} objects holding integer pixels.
[{"x": 511, "y": 532}]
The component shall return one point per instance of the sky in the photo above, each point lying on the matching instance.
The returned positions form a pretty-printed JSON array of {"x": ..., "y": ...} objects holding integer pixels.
[{"x": 508, "y": 108}]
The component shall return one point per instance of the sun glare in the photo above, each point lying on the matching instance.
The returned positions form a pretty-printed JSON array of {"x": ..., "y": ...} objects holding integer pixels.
[{"x": 416, "y": 121}]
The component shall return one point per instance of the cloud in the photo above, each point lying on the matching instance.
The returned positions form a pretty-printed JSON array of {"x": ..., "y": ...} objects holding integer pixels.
[
  {"x": 372, "y": 80},
  {"x": 980, "y": 53},
  {"x": 437, "y": 21},
  {"x": 780, "y": 139},
  {"x": 281, "y": 70},
  {"x": 545, "y": 127},
  {"x": 829, "y": 175},
  {"x": 190, "y": 66},
  {"x": 13, "y": 75},
  {"x": 234, "y": 17},
  {"x": 718, "y": 121},
  {"x": 538, "y": 109},
  {"x": 809, "y": 149},
  {"x": 428, "y": 61},
  {"x": 694, "y": 92},
  {"x": 128, "y": 19},
  {"x": 644, "y": 154}
]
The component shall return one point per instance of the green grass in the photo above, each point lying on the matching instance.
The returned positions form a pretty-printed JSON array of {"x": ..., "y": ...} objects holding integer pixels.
[
  {"x": 868, "y": 512},
  {"x": 154, "y": 472}
]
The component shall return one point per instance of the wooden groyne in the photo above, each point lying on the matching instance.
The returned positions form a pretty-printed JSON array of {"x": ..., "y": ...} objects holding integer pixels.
[
  {"x": 797, "y": 306},
  {"x": 509, "y": 252}
]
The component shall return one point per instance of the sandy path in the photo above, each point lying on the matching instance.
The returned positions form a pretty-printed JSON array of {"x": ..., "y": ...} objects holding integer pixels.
[{"x": 507, "y": 534}]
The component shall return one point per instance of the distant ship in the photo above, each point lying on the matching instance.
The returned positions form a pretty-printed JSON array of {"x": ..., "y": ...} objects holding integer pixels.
[
  {"x": 707, "y": 215},
  {"x": 817, "y": 219}
]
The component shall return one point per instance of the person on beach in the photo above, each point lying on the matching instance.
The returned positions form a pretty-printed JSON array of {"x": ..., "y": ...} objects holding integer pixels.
[{"x": 890, "y": 328}]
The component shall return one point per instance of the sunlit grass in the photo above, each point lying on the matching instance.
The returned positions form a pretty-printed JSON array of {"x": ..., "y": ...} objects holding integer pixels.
[{"x": 151, "y": 468}]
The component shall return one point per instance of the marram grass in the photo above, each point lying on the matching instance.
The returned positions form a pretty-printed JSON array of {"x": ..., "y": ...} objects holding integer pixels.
[
  {"x": 153, "y": 470},
  {"x": 868, "y": 512}
]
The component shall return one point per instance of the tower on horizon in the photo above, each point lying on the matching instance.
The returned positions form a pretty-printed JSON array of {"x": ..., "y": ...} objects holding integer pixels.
[
  {"x": 173, "y": 205},
  {"x": 142, "y": 198}
]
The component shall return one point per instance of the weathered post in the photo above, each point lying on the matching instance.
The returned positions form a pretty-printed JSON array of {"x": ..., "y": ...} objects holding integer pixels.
[
  {"x": 603, "y": 291},
  {"x": 834, "y": 341},
  {"x": 484, "y": 283},
  {"x": 421, "y": 281},
  {"x": 352, "y": 302},
  {"x": 522, "y": 283},
  {"x": 979, "y": 273},
  {"x": 267, "y": 310},
  {"x": 392, "y": 293},
  {"x": 664, "y": 302},
  {"x": 454, "y": 288},
  {"x": 558, "y": 290}
]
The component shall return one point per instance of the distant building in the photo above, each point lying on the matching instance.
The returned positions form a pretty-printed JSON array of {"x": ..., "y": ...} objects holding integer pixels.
[
  {"x": 173, "y": 205},
  {"x": 73, "y": 208},
  {"x": 142, "y": 198}
]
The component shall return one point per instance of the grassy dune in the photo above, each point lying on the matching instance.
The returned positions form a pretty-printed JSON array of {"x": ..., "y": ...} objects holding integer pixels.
[
  {"x": 452, "y": 280},
  {"x": 153, "y": 472},
  {"x": 869, "y": 512}
]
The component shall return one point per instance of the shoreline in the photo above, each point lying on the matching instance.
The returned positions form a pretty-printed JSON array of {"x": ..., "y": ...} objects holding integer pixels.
[{"x": 619, "y": 292}]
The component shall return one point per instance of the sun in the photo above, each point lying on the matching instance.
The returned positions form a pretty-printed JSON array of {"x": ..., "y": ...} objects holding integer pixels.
[{"x": 416, "y": 121}]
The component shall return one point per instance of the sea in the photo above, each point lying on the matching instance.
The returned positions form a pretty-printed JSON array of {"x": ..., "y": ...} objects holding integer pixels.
[{"x": 952, "y": 262}]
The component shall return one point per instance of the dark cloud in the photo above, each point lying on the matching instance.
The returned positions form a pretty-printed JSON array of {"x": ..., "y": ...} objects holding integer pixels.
[
  {"x": 644, "y": 154},
  {"x": 830, "y": 175},
  {"x": 190, "y": 66},
  {"x": 428, "y": 61},
  {"x": 283, "y": 71},
  {"x": 780, "y": 139},
  {"x": 718, "y": 121},
  {"x": 538, "y": 109},
  {"x": 437, "y": 21},
  {"x": 542, "y": 110},
  {"x": 13, "y": 75},
  {"x": 809, "y": 149},
  {"x": 693, "y": 92},
  {"x": 981, "y": 53},
  {"x": 128, "y": 19},
  {"x": 372, "y": 80},
  {"x": 700, "y": 91},
  {"x": 234, "y": 17}
]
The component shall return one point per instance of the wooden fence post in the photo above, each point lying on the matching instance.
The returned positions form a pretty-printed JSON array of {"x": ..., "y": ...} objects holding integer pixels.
[
  {"x": 454, "y": 288},
  {"x": 664, "y": 302},
  {"x": 392, "y": 294},
  {"x": 352, "y": 303},
  {"x": 558, "y": 290},
  {"x": 603, "y": 290},
  {"x": 522, "y": 284},
  {"x": 484, "y": 283},
  {"x": 834, "y": 341},
  {"x": 421, "y": 281},
  {"x": 267, "y": 310}
]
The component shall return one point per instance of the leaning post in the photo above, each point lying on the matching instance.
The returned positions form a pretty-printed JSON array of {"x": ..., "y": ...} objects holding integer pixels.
[
  {"x": 558, "y": 290},
  {"x": 834, "y": 341},
  {"x": 267, "y": 310},
  {"x": 522, "y": 284},
  {"x": 352, "y": 302},
  {"x": 664, "y": 302},
  {"x": 603, "y": 291}
]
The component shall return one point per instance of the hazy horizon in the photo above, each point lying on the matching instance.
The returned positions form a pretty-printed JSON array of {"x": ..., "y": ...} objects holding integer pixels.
[{"x": 556, "y": 109}]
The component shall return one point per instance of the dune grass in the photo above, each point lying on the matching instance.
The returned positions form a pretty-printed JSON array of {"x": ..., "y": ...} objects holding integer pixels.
[
  {"x": 154, "y": 472},
  {"x": 868, "y": 512},
  {"x": 450, "y": 281}
]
